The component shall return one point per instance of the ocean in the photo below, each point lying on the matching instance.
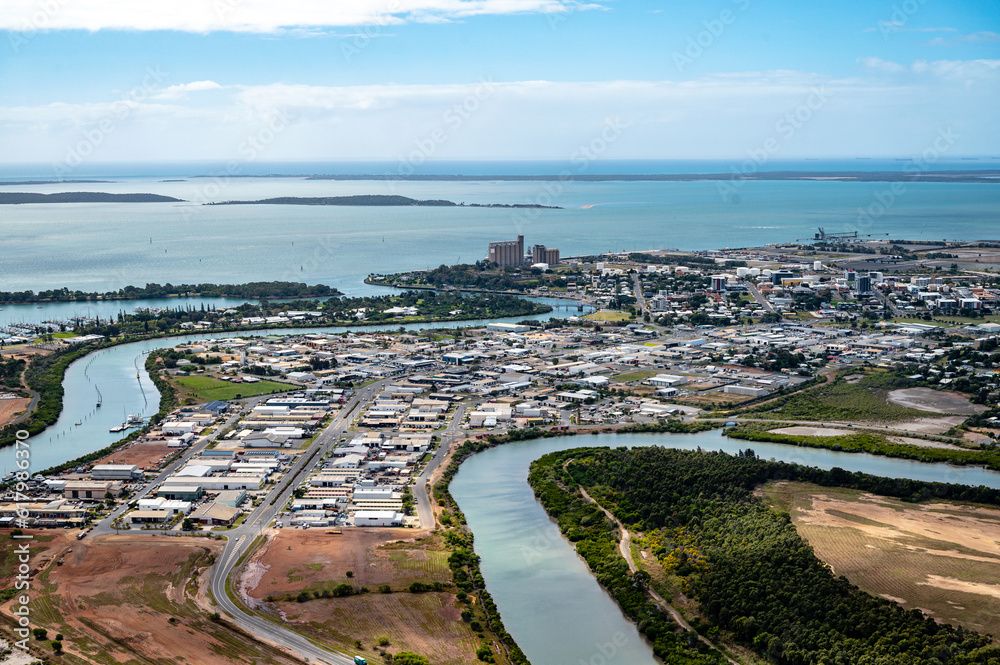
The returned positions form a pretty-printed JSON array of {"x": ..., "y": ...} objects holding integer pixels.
[{"x": 103, "y": 246}]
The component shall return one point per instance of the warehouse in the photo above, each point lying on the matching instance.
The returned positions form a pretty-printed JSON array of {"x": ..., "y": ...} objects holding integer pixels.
[
  {"x": 378, "y": 518},
  {"x": 115, "y": 472}
]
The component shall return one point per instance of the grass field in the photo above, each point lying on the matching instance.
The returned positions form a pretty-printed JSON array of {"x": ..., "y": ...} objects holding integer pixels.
[
  {"x": 608, "y": 315},
  {"x": 638, "y": 375},
  {"x": 207, "y": 389},
  {"x": 941, "y": 558},
  {"x": 64, "y": 335}
]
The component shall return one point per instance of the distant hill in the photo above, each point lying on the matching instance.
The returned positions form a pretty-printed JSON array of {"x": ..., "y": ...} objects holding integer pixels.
[
  {"x": 371, "y": 200},
  {"x": 82, "y": 197}
]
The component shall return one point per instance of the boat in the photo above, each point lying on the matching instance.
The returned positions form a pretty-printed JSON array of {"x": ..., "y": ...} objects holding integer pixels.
[
  {"x": 79, "y": 422},
  {"x": 133, "y": 419},
  {"x": 119, "y": 428}
]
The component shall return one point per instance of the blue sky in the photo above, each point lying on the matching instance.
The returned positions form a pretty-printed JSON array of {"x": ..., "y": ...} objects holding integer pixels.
[{"x": 150, "y": 80}]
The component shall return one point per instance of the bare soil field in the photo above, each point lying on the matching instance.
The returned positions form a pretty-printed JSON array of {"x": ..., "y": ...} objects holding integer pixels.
[
  {"x": 805, "y": 430},
  {"x": 139, "y": 599},
  {"x": 937, "y": 401},
  {"x": 145, "y": 455},
  {"x": 12, "y": 408},
  {"x": 311, "y": 560},
  {"x": 929, "y": 425},
  {"x": 941, "y": 558}
]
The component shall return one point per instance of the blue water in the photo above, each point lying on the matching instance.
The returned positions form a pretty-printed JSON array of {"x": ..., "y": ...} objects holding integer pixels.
[{"x": 101, "y": 247}]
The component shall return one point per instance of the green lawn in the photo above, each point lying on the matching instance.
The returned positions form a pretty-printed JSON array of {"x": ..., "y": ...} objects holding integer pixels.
[
  {"x": 638, "y": 375},
  {"x": 64, "y": 335},
  {"x": 207, "y": 389}
]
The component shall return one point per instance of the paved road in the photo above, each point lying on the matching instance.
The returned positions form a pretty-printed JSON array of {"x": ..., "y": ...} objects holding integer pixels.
[
  {"x": 420, "y": 495},
  {"x": 241, "y": 538},
  {"x": 758, "y": 296}
]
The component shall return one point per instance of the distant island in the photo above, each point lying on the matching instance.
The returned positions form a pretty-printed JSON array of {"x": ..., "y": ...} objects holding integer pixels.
[
  {"x": 374, "y": 200},
  {"x": 250, "y": 291},
  {"x": 14, "y": 198},
  {"x": 53, "y": 182}
]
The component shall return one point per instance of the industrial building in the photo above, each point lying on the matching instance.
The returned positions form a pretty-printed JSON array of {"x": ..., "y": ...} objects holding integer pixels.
[
  {"x": 507, "y": 252},
  {"x": 542, "y": 254}
]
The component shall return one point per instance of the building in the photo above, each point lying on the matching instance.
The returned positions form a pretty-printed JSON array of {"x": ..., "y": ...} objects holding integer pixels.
[
  {"x": 215, "y": 513},
  {"x": 115, "y": 472},
  {"x": 378, "y": 518},
  {"x": 667, "y": 380},
  {"x": 751, "y": 391},
  {"x": 863, "y": 283},
  {"x": 507, "y": 252},
  {"x": 719, "y": 283},
  {"x": 81, "y": 489},
  {"x": 541, "y": 254}
]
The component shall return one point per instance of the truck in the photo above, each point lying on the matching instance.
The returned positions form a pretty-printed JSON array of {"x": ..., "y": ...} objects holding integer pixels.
[{"x": 358, "y": 660}]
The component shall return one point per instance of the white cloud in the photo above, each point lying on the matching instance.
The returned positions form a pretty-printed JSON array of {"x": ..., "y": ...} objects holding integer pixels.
[
  {"x": 180, "y": 91},
  {"x": 257, "y": 16},
  {"x": 881, "y": 66},
  {"x": 892, "y": 112},
  {"x": 983, "y": 37}
]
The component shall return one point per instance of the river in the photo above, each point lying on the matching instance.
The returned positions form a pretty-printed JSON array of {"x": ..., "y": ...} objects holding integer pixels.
[{"x": 550, "y": 603}]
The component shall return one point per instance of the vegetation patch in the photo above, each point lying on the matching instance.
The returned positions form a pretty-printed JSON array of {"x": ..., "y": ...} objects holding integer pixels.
[{"x": 758, "y": 584}]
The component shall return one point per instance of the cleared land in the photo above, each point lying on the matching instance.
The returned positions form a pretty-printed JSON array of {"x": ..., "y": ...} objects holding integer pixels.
[
  {"x": 926, "y": 399},
  {"x": 144, "y": 454},
  {"x": 941, "y": 558},
  {"x": 311, "y": 560},
  {"x": 12, "y": 408},
  {"x": 138, "y": 599},
  {"x": 206, "y": 388}
]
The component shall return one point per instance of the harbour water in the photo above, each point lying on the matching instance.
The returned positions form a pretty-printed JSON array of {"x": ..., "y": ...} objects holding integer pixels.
[{"x": 104, "y": 246}]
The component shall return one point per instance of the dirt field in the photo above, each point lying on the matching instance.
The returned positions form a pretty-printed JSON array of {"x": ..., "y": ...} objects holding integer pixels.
[
  {"x": 12, "y": 408},
  {"x": 937, "y": 401},
  {"x": 139, "y": 599},
  {"x": 426, "y": 623},
  {"x": 930, "y": 425},
  {"x": 145, "y": 455},
  {"x": 941, "y": 558}
]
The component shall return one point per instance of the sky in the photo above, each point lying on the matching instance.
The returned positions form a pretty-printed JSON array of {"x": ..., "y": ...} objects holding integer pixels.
[{"x": 422, "y": 80}]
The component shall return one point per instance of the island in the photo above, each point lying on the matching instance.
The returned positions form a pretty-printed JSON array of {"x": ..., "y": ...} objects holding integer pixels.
[
  {"x": 250, "y": 290},
  {"x": 13, "y": 198},
  {"x": 374, "y": 200}
]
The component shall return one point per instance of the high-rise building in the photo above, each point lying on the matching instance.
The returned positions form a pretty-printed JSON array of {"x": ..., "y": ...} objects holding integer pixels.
[
  {"x": 507, "y": 252},
  {"x": 863, "y": 283}
]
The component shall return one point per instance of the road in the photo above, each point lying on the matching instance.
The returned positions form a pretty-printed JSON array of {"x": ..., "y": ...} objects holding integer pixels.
[
  {"x": 421, "y": 498},
  {"x": 758, "y": 296},
  {"x": 242, "y": 538},
  {"x": 640, "y": 299},
  {"x": 887, "y": 303}
]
